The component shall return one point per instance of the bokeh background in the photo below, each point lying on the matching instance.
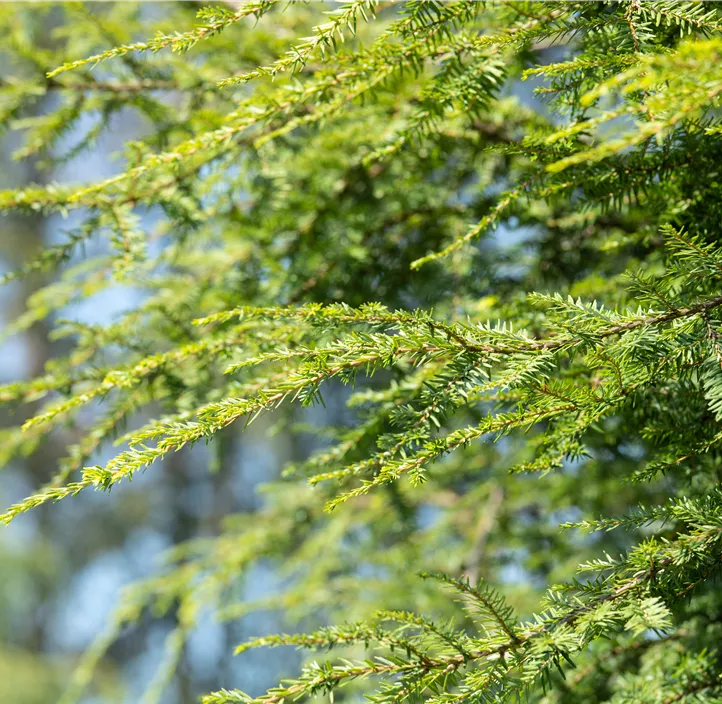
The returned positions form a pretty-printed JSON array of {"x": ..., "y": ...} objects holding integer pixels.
[{"x": 62, "y": 568}]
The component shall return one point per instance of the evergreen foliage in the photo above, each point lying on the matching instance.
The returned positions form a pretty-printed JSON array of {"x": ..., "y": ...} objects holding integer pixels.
[{"x": 511, "y": 306}]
